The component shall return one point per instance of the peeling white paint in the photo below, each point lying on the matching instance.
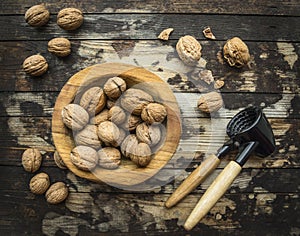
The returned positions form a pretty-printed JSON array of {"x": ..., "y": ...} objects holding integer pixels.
[{"x": 288, "y": 51}]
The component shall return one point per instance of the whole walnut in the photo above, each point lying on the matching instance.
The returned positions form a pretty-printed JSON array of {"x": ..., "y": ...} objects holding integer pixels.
[
  {"x": 154, "y": 113},
  {"x": 122, "y": 136},
  {"x": 102, "y": 116},
  {"x": 31, "y": 159},
  {"x": 129, "y": 144},
  {"x": 134, "y": 100},
  {"x": 70, "y": 18},
  {"x": 84, "y": 157},
  {"x": 149, "y": 134},
  {"x": 141, "y": 155},
  {"x": 57, "y": 193},
  {"x": 189, "y": 50},
  {"x": 131, "y": 122},
  {"x": 114, "y": 87},
  {"x": 74, "y": 116},
  {"x": 60, "y": 47},
  {"x": 236, "y": 52},
  {"x": 35, "y": 65},
  {"x": 109, "y": 158},
  {"x": 110, "y": 103},
  {"x": 93, "y": 100},
  {"x": 37, "y": 15},
  {"x": 109, "y": 133},
  {"x": 210, "y": 102},
  {"x": 116, "y": 115},
  {"x": 39, "y": 183},
  {"x": 59, "y": 161},
  {"x": 88, "y": 137}
]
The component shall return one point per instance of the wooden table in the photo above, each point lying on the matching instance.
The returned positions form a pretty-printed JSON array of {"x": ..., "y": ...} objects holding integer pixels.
[{"x": 264, "y": 199}]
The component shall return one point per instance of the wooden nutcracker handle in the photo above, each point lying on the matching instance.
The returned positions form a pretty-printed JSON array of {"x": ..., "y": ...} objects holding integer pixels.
[
  {"x": 213, "y": 194},
  {"x": 193, "y": 180}
]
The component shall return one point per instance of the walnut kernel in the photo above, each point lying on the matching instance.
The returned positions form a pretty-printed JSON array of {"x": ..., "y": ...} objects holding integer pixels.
[
  {"x": 236, "y": 52},
  {"x": 189, "y": 50}
]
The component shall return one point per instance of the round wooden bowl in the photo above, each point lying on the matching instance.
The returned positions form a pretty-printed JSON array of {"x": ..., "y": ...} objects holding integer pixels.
[{"x": 128, "y": 174}]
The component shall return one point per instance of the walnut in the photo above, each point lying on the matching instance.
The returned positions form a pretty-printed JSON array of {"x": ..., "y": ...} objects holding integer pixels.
[
  {"x": 141, "y": 155},
  {"x": 236, "y": 52},
  {"x": 57, "y": 193},
  {"x": 109, "y": 158},
  {"x": 131, "y": 122},
  {"x": 134, "y": 100},
  {"x": 109, "y": 133},
  {"x": 154, "y": 113},
  {"x": 31, "y": 159},
  {"x": 74, "y": 116},
  {"x": 150, "y": 134},
  {"x": 208, "y": 33},
  {"x": 102, "y": 116},
  {"x": 210, "y": 102},
  {"x": 35, "y": 65},
  {"x": 116, "y": 115},
  {"x": 93, "y": 100},
  {"x": 59, "y": 161},
  {"x": 189, "y": 50},
  {"x": 122, "y": 136},
  {"x": 114, "y": 87},
  {"x": 37, "y": 15},
  {"x": 70, "y": 18},
  {"x": 84, "y": 158},
  {"x": 88, "y": 137},
  {"x": 164, "y": 35},
  {"x": 128, "y": 145},
  {"x": 110, "y": 103},
  {"x": 60, "y": 47},
  {"x": 39, "y": 183},
  {"x": 218, "y": 84}
]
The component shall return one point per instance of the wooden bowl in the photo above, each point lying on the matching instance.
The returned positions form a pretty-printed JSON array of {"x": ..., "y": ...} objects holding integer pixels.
[{"x": 128, "y": 174}]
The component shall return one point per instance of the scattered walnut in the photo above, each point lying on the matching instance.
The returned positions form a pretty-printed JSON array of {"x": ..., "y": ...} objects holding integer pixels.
[
  {"x": 93, "y": 100},
  {"x": 116, "y": 115},
  {"x": 84, "y": 158},
  {"x": 189, "y": 50},
  {"x": 114, "y": 87},
  {"x": 35, "y": 65},
  {"x": 37, "y": 15},
  {"x": 208, "y": 33},
  {"x": 150, "y": 134},
  {"x": 134, "y": 100},
  {"x": 70, "y": 18},
  {"x": 131, "y": 122},
  {"x": 57, "y": 193},
  {"x": 59, "y": 161},
  {"x": 39, "y": 183},
  {"x": 164, "y": 35},
  {"x": 236, "y": 52},
  {"x": 74, "y": 116},
  {"x": 60, "y": 47},
  {"x": 129, "y": 144},
  {"x": 218, "y": 84},
  {"x": 210, "y": 102},
  {"x": 88, "y": 137},
  {"x": 102, "y": 116},
  {"x": 141, "y": 155},
  {"x": 109, "y": 133},
  {"x": 154, "y": 113},
  {"x": 31, "y": 159},
  {"x": 109, "y": 158}
]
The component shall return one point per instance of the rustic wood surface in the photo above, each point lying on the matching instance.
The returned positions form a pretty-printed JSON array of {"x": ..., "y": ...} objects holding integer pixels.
[{"x": 263, "y": 200}]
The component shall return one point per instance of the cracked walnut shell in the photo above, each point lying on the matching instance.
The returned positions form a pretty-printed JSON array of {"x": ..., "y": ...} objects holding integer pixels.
[
  {"x": 236, "y": 52},
  {"x": 70, "y": 18},
  {"x": 114, "y": 87},
  {"x": 74, "y": 116},
  {"x": 149, "y": 134},
  {"x": 31, "y": 160},
  {"x": 189, "y": 50},
  {"x": 37, "y": 15},
  {"x": 60, "y": 47},
  {"x": 39, "y": 183},
  {"x": 35, "y": 65},
  {"x": 57, "y": 193},
  {"x": 210, "y": 102}
]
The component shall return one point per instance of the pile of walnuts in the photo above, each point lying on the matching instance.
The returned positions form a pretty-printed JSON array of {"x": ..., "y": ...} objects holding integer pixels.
[{"x": 112, "y": 122}]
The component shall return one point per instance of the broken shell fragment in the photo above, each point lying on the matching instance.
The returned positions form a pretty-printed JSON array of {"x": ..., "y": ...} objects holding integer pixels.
[
  {"x": 208, "y": 33},
  {"x": 164, "y": 35}
]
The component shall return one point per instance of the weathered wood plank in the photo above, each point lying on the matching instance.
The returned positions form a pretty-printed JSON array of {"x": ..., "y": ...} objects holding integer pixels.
[
  {"x": 148, "y": 26},
  {"x": 264, "y": 7},
  {"x": 273, "y": 68}
]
